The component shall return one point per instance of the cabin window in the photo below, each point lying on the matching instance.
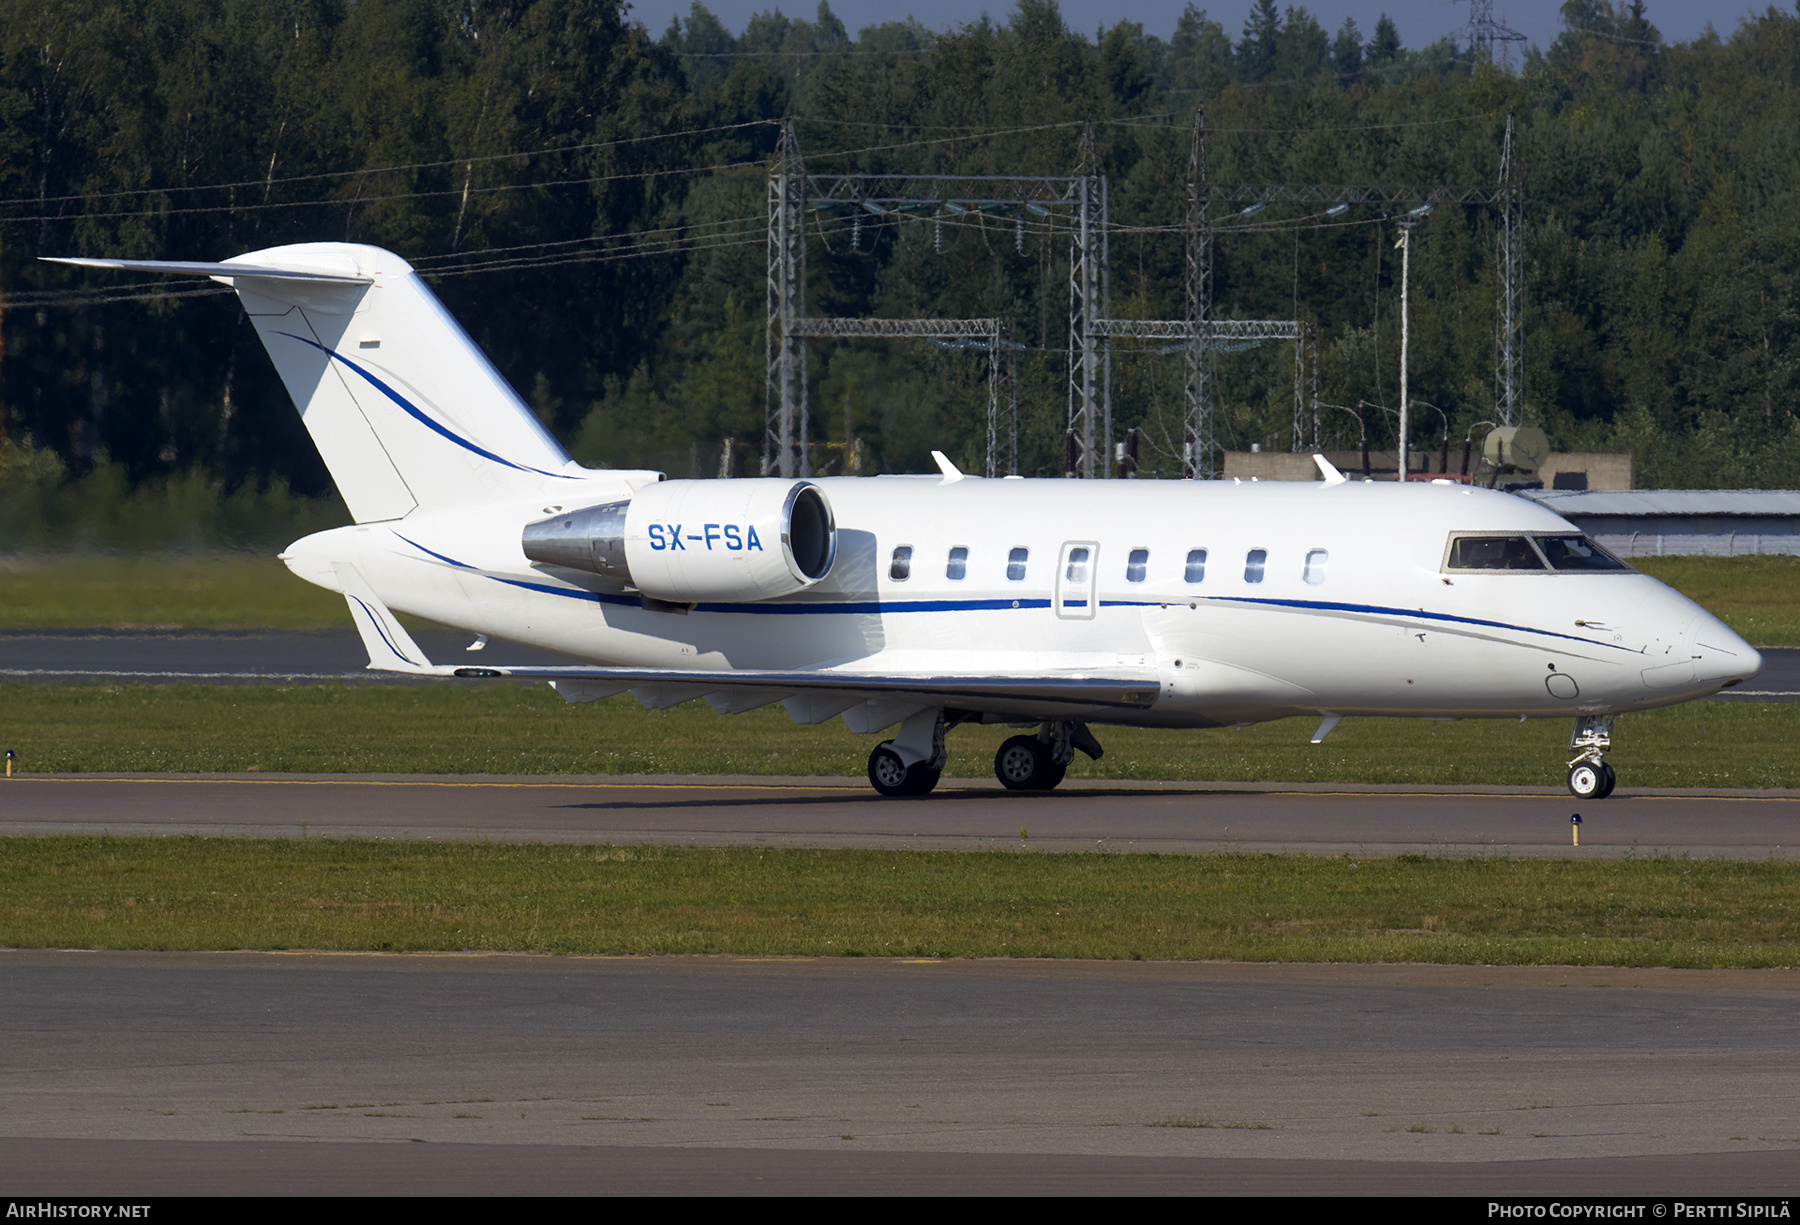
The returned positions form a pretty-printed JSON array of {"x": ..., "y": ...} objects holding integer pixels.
[
  {"x": 1254, "y": 561},
  {"x": 1078, "y": 564},
  {"x": 900, "y": 569},
  {"x": 1196, "y": 566},
  {"x": 1015, "y": 565},
  {"x": 958, "y": 566},
  {"x": 1577, "y": 553},
  {"x": 1136, "y": 564},
  {"x": 1494, "y": 553},
  {"x": 1315, "y": 566}
]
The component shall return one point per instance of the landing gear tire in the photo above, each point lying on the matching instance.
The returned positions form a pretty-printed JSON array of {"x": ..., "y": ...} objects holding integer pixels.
[
  {"x": 890, "y": 776},
  {"x": 1024, "y": 764},
  {"x": 1588, "y": 781},
  {"x": 1590, "y": 778}
]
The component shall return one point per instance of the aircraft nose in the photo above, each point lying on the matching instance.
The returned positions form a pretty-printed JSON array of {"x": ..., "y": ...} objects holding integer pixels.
[{"x": 1720, "y": 656}]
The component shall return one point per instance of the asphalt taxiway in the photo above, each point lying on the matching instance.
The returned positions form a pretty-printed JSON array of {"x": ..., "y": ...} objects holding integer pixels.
[
  {"x": 226, "y": 657},
  {"x": 137, "y": 1073},
  {"x": 972, "y": 814}
]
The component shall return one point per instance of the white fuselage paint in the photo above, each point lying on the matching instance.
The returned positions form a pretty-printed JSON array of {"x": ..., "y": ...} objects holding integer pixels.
[{"x": 1385, "y": 631}]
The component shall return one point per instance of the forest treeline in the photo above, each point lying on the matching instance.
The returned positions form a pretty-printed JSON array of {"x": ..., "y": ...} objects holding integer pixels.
[{"x": 589, "y": 198}]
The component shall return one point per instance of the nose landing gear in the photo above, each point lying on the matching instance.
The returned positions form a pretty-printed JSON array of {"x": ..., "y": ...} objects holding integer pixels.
[{"x": 1590, "y": 778}]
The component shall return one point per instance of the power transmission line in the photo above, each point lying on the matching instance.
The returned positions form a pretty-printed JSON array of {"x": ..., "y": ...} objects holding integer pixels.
[{"x": 472, "y": 159}]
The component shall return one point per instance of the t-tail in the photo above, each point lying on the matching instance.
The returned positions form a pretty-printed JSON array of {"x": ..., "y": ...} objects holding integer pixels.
[{"x": 406, "y": 411}]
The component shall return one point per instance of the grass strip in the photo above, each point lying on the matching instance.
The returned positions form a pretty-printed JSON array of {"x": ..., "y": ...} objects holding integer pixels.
[
  {"x": 173, "y": 591},
  {"x": 197, "y": 893},
  {"x": 1758, "y": 596},
  {"x": 503, "y": 728}
]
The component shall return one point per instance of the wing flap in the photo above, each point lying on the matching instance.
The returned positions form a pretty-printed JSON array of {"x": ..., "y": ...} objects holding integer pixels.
[{"x": 737, "y": 701}]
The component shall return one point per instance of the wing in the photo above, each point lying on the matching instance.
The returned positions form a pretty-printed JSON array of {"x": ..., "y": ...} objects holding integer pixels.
[
  {"x": 1064, "y": 694},
  {"x": 811, "y": 695}
]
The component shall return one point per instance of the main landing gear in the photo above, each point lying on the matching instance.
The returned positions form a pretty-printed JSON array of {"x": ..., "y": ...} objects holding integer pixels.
[
  {"x": 1590, "y": 778},
  {"x": 912, "y": 762},
  {"x": 891, "y": 776},
  {"x": 1039, "y": 762}
]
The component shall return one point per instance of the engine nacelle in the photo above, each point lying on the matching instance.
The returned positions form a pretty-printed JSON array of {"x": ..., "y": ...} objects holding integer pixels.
[{"x": 687, "y": 541}]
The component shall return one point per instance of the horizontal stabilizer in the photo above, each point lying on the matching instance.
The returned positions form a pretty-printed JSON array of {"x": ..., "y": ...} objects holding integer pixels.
[{"x": 182, "y": 267}]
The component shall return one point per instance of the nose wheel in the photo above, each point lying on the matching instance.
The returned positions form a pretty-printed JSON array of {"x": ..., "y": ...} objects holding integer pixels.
[
  {"x": 1590, "y": 782},
  {"x": 1590, "y": 778}
]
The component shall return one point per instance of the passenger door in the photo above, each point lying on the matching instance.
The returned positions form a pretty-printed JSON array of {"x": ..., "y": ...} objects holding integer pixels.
[{"x": 1077, "y": 577}]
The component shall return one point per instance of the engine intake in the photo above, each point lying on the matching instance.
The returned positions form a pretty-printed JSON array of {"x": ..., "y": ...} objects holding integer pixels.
[{"x": 687, "y": 541}]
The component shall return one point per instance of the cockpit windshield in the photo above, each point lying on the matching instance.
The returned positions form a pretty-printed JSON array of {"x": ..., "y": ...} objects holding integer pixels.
[
  {"x": 1493, "y": 553},
  {"x": 1577, "y": 553},
  {"x": 1530, "y": 554}
]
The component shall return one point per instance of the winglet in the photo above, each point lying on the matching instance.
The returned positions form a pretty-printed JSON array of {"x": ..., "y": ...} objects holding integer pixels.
[
  {"x": 1332, "y": 475},
  {"x": 951, "y": 471},
  {"x": 390, "y": 647}
]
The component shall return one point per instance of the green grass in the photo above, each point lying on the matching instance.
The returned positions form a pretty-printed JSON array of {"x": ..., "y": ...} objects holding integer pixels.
[
  {"x": 1759, "y": 597},
  {"x": 504, "y": 728},
  {"x": 200, "y": 591},
  {"x": 194, "y": 893}
]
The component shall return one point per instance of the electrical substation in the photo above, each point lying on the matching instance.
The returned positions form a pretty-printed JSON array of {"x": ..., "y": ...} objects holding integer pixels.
[{"x": 1078, "y": 203}]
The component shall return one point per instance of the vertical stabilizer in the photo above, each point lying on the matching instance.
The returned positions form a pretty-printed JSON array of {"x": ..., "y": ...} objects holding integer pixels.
[
  {"x": 406, "y": 411},
  {"x": 403, "y": 407}
]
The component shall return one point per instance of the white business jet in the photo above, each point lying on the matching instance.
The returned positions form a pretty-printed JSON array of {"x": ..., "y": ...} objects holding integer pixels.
[{"x": 930, "y": 601}]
